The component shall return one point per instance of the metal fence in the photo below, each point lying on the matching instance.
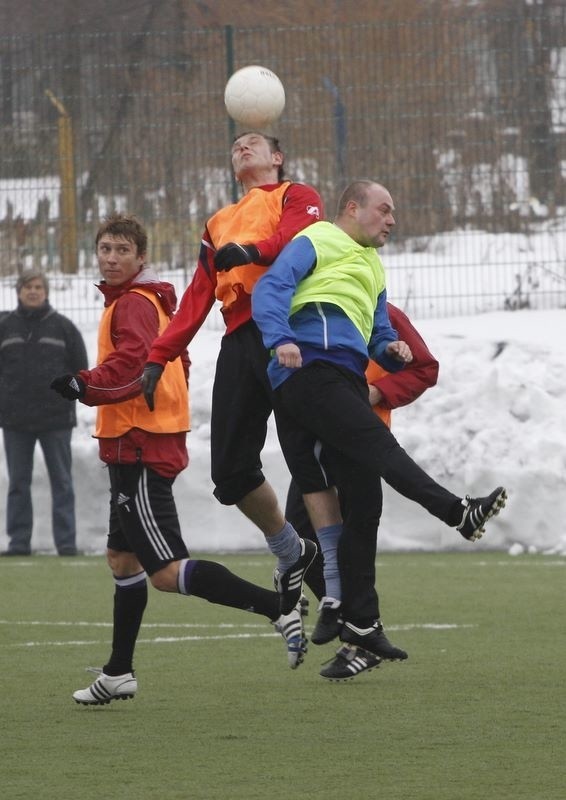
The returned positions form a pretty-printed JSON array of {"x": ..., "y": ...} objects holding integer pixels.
[{"x": 462, "y": 117}]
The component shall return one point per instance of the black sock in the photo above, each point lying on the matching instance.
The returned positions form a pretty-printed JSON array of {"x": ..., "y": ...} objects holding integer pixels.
[
  {"x": 130, "y": 600},
  {"x": 215, "y": 583}
]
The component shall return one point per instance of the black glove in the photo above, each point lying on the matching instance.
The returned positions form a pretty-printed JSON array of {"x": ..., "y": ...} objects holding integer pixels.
[
  {"x": 234, "y": 255},
  {"x": 151, "y": 374},
  {"x": 71, "y": 387}
]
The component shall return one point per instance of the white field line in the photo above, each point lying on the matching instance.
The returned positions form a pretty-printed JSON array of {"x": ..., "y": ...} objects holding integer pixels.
[
  {"x": 551, "y": 559},
  {"x": 239, "y": 634}
]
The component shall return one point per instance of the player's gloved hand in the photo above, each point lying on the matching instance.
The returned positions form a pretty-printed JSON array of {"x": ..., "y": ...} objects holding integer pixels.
[
  {"x": 234, "y": 255},
  {"x": 151, "y": 374},
  {"x": 71, "y": 387}
]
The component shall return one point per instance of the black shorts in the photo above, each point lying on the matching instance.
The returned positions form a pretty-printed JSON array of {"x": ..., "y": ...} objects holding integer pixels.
[
  {"x": 143, "y": 516},
  {"x": 242, "y": 401}
]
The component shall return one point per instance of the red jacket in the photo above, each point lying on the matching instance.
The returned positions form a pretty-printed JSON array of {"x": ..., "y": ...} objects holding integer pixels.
[
  {"x": 118, "y": 378},
  {"x": 401, "y": 388},
  {"x": 300, "y": 208}
]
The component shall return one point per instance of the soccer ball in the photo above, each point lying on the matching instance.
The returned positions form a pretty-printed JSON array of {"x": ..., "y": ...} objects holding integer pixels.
[{"x": 254, "y": 97}]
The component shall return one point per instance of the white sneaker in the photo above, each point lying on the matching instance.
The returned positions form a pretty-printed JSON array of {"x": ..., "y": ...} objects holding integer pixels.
[
  {"x": 291, "y": 628},
  {"x": 107, "y": 688}
]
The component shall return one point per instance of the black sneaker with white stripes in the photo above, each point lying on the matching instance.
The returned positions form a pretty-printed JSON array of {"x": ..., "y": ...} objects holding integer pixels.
[
  {"x": 348, "y": 662},
  {"x": 477, "y": 511},
  {"x": 372, "y": 639},
  {"x": 329, "y": 622},
  {"x": 289, "y": 584}
]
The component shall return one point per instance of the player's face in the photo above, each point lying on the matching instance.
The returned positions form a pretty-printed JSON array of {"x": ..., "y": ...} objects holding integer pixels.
[
  {"x": 118, "y": 259},
  {"x": 375, "y": 218},
  {"x": 32, "y": 294},
  {"x": 252, "y": 152}
]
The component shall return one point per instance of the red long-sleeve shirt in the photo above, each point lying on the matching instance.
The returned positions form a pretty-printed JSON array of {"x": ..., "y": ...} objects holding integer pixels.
[
  {"x": 118, "y": 378},
  {"x": 302, "y": 206},
  {"x": 401, "y": 388}
]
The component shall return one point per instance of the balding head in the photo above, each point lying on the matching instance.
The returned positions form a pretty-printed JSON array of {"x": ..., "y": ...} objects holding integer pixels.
[{"x": 365, "y": 212}]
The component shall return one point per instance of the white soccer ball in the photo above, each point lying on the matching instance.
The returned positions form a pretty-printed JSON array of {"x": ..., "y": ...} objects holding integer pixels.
[{"x": 254, "y": 97}]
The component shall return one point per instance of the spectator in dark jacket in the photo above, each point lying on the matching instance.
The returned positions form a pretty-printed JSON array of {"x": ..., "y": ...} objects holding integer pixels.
[{"x": 36, "y": 343}]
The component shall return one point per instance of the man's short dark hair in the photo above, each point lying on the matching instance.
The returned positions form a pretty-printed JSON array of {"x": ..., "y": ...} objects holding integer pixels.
[{"x": 126, "y": 225}]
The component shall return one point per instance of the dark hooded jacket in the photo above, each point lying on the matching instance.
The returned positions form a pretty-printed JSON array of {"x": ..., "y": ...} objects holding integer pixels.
[{"x": 36, "y": 345}]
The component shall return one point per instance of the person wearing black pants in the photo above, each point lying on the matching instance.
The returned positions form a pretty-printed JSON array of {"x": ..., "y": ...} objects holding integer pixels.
[
  {"x": 332, "y": 405},
  {"x": 322, "y": 311},
  {"x": 386, "y": 391}
]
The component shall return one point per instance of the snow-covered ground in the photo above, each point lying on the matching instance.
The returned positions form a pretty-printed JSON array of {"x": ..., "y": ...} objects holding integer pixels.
[{"x": 497, "y": 416}]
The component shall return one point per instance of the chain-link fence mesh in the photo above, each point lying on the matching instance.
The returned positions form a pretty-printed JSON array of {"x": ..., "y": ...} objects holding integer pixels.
[{"x": 462, "y": 117}]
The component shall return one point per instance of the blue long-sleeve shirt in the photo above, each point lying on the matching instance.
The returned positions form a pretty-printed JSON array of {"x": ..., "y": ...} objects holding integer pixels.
[{"x": 322, "y": 331}]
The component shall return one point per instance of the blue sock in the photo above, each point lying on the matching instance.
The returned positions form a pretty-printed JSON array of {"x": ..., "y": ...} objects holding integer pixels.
[
  {"x": 328, "y": 539},
  {"x": 286, "y": 545}
]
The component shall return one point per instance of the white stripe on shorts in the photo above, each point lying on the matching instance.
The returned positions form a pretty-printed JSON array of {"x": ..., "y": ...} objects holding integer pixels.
[{"x": 149, "y": 524}]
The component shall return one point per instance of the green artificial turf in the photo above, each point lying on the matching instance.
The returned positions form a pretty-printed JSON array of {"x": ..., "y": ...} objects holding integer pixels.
[{"x": 476, "y": 712}]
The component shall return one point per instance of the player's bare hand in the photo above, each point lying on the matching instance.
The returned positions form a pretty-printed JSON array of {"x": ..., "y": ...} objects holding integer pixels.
[
  {"x": 289, "y": 355},
  {"x": 374, "y": 395},
  {"x": 400, "y": 351}
]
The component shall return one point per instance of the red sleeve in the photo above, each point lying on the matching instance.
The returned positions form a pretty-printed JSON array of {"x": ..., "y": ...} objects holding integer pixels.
[
  {"x": 135, "y": 324},
  {"x": 186, "y": 362},
  {"x": 301, "y": 207},
  {"x": 401, "y": 388},
  {"x": 195, "y": 304}
]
